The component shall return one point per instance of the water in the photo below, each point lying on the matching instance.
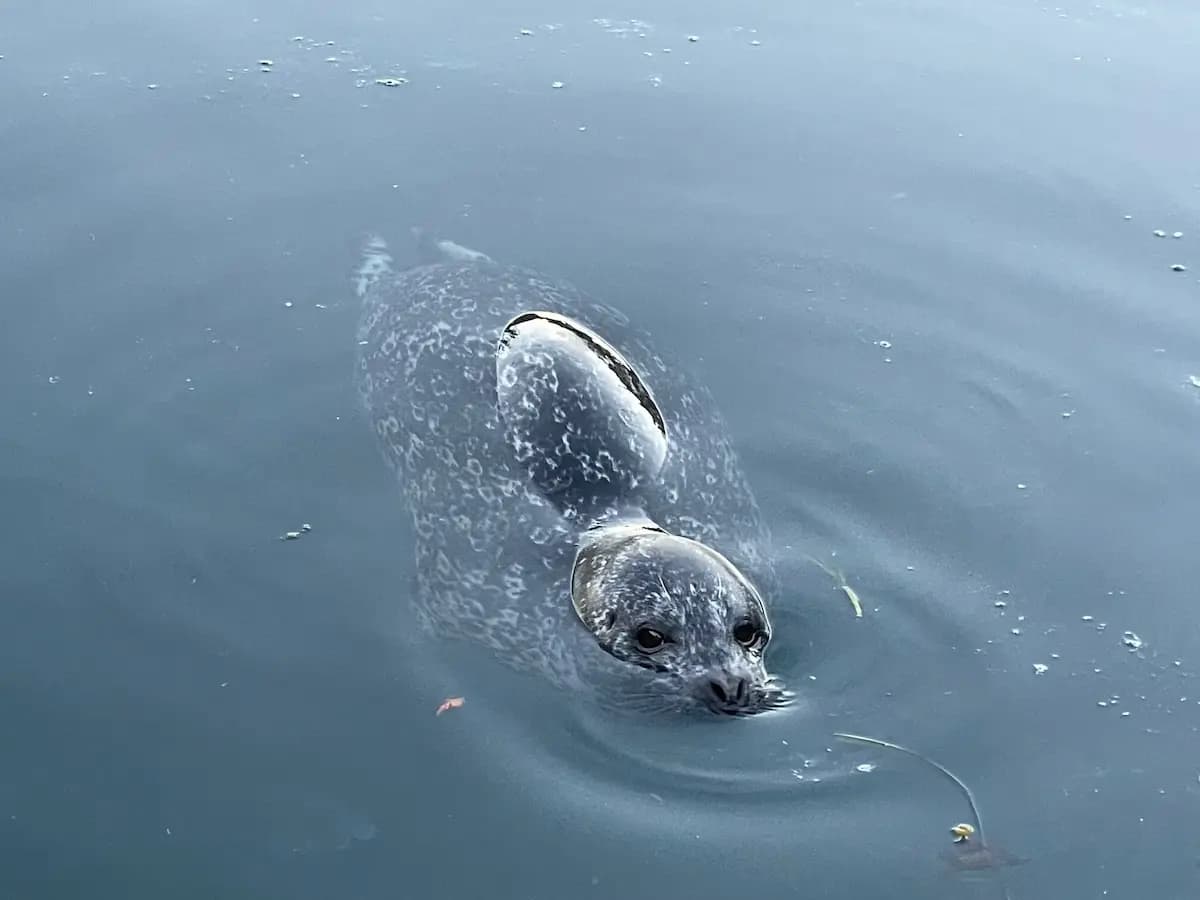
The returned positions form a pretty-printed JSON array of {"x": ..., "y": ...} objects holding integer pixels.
[{"x": 899, "y": 242}]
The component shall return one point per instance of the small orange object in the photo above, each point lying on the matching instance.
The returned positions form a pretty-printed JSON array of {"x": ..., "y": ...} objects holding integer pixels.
[{"x": 450, "y": 703}]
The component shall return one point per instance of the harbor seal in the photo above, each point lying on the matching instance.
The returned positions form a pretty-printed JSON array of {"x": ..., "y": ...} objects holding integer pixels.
[{"x": 576, "y": 505}]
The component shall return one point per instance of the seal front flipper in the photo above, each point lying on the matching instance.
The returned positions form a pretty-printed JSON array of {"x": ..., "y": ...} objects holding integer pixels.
[
  {"x": 431, "y": 250},
  {"x": 579, "y": 419}
]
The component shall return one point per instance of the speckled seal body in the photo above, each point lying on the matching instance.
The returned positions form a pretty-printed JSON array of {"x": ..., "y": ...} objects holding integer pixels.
[{"x": 497, "y": 542}]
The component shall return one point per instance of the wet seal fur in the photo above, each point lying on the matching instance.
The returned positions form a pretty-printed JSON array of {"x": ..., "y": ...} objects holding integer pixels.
[{"x": 576, "y": 504}]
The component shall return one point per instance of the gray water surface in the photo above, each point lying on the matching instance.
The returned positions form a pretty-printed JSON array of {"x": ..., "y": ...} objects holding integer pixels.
[{"x": 909, "y": 246}]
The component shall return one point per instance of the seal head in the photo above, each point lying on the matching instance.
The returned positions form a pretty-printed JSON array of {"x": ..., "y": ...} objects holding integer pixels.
[{"x": 679, "y": 609}]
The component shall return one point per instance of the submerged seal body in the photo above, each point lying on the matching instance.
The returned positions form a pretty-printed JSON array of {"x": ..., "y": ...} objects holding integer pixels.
[{"x": 577, "y": 506}]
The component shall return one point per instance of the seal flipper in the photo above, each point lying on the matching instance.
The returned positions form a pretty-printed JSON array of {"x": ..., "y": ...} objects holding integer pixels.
[
  {"x": 376, "y": 264},
  {"x": 431, "y": 250},
  {"x": 580, "y": 420}
]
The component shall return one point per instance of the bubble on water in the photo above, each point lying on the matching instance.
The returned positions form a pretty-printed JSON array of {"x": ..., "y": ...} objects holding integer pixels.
[{"x": 1132, "y": 641}]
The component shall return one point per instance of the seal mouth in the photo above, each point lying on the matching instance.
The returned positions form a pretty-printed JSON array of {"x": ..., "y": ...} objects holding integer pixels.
[{"x": 762, "y": 698}]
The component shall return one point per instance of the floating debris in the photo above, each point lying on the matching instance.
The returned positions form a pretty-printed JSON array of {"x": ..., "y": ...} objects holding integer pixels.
[
  {"x": 1127, "y": 218},
  {"x": 266, "y": 63},
  {"x": 962, "y": 832},
  {"x": 290, "y": 536},
  {"x": 1177, "y": 235},
  {"x": 839, "y": 579},
  {"x": 865, "y": 768},
  {"x": 1132, "y": 641},
  {"x": 1177, "y": 267},
  {"x": 525, "y": 32},
  {"x": 1195, "y": 380},
  {"x": 1021, "y": 486},
  {"x": 1158, "y": 232},
  {"x": 756, "y": 43},
  {"x": 288, "y": 304},
  {"x": 295, "y": 96},
  {"x": 306, "y": 528},
  {"x": 1000, "y": 604},
  {"x": 152, "y": 87},
  {"x": 692, "y": 38},
  {"x": 1040, "y": 668},
  {"x": 1087, "y": 618},
  {"x": 54, "y": 379},
  {"x": 557, "y": 84},
  {"x": 886, "y": 345},
  {"x": 450, "y": 703},
  {"x": 391, "y": 82},
  {"x": 980, "y": 855}
]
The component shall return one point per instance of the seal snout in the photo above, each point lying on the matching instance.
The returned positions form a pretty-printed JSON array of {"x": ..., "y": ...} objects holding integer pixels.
[{"x": 727, "y": 691}]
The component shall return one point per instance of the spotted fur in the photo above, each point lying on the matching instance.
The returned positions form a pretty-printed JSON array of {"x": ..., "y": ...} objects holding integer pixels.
[{"x": 493, "y": 555}]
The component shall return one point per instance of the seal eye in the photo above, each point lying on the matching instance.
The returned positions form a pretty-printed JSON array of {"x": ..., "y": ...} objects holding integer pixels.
[
  {"x": 649, "y": 640},
  {"x": 748, "y": 635}
]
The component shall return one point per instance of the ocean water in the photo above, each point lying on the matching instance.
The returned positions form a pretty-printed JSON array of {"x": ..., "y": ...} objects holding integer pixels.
[{"x": 910, "y": 247}]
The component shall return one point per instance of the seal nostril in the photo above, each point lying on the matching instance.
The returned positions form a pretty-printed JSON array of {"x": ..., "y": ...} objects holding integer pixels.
[
  {"x": 742, "y": 687},
  {"x": 718, "y": 691}
]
